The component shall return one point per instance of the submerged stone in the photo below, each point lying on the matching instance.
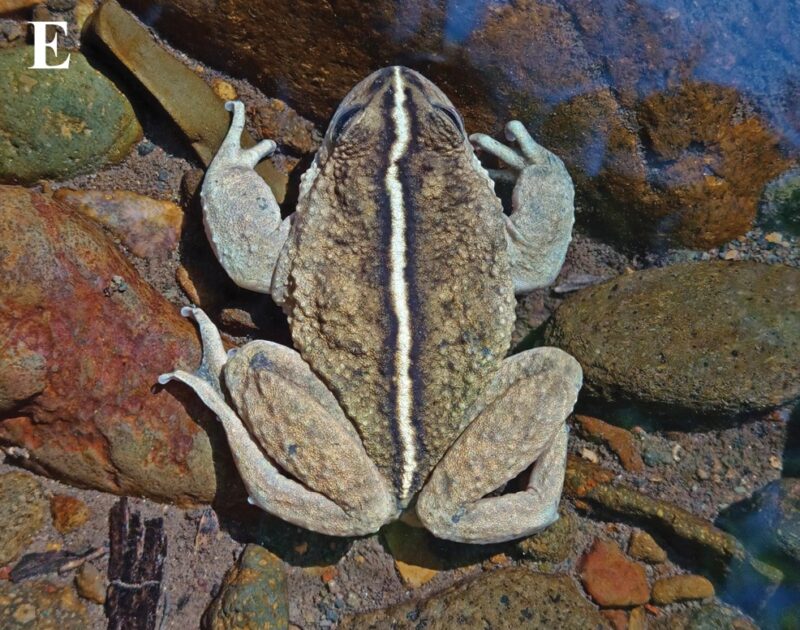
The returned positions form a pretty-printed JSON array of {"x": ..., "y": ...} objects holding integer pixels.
[
  {"x": 506, "y": 598},
  {"x": 57, "y": 123},
  {"x": 707, "y": 338}
]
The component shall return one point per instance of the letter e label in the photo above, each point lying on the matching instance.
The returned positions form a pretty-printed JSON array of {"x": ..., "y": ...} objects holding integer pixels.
[{"x": 40, "y": 45}]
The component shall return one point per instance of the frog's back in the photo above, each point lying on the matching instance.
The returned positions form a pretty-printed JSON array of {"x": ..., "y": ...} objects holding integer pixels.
[{"x": 399, "y": 291}]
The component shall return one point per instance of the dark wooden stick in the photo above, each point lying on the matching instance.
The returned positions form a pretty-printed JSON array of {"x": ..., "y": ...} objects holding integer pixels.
[{"x": 135, "y": 569}]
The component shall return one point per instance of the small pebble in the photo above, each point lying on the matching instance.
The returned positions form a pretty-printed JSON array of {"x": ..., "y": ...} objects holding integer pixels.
[
  {"x": 589, "y": 455},
  {"x": 90, "y": 584},
  {"x": 145, "y": 148}
]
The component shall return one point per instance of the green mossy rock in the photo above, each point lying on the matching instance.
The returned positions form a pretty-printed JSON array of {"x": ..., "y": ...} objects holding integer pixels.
[
  {"x": 253, "y": 595},
  {"x": 58, "y": 123},
  {"x": 719, "y": 338}
]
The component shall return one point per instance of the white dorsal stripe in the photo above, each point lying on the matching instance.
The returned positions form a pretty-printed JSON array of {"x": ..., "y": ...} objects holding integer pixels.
[{"x": 398, "y": 286}]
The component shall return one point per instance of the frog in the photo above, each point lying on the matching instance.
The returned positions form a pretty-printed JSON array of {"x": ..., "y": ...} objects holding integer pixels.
[{"x": 397, "y": 272}]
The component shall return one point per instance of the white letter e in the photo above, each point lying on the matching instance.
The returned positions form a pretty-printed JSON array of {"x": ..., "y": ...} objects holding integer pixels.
[{"x": 40, "y": 45}]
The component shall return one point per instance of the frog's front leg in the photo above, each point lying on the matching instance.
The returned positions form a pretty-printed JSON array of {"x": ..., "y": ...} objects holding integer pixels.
[
  {"x": 242, "y": 219},
  {"x": 518, "y": 420},
  {"x": 539, "y": 228},
  {"x": 299, "y": 456}
]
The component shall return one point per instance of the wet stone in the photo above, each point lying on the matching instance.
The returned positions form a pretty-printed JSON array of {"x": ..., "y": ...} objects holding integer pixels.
[
  {"x": 150, "y": 228},
  {"x": 554, "y": 544},
  {"x": 768, "y": 523},
  {"x": 22, "y": 513},
  {"x": 680, "y": 588},
  {"x": 63, "y": 122},
  {"x": 68, "y": 513},
  {"x": 41, "y": 605},
  {"x": 611, "y": 579},
  {"x": 505, "y": 598},
  {"x": 90, "y": 584},
  {"x": 643, "y": 547},
  {"x": 688, "y": 337},
  {"x": 253, "y": 594}
]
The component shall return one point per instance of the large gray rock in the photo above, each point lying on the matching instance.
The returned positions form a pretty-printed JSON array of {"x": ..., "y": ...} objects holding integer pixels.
[
  {"x": 719, "y": 337},
  {"x": 506, "y": 598},
  {"x": 57, "y": 123}
]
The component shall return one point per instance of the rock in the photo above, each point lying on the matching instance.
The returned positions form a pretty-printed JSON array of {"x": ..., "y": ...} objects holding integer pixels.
[
  {"x": 9, "y": 6},
  {"x": 709, "y": 616},
  {"x": 768, "y": 523},
  {"x": 283, "y": 124},
  {"x": 680, "y": 588},
  {"x": 635, "y": 100},
  {"x": 710, "y": 355},
  {"x": 61, "y": 5},
  {"x": 62, "y": 122},
  {"x": 90, "y": 584},
  {"x": 150, "y": 228},
  {"x": 41, "y": 605},
  {"x": 617, "y": 618},
  {"x": 192, "y": 104},
  {"x": 68, "y": 512},
  {"x": 86, "y": 341},
  {"x": 415, "y": 559},
  {"x": 554, "y": 544},
  {"x": 22, "y": 513},
  {"x": 780, "y": 204},
  {"x": 253, "y": 594},
  {"x": 224, "y": 90},
  {"x": 620, "y": 441},
  {"x": 505, "y": 598},
  {"x": 643, "y": 547},
  {"x": 715, "y": 549},
  {"x": 611, "y": 579}
]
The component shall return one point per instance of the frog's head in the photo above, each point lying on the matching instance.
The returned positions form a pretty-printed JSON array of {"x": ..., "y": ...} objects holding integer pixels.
[{"x": 389, "y": 107}]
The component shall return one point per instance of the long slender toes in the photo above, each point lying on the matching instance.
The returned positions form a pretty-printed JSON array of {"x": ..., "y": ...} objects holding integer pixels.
[
  {"x": 214, "y": 354},
  {"x": 533, "y": 152},
  {"x": 490, "y": 145}
]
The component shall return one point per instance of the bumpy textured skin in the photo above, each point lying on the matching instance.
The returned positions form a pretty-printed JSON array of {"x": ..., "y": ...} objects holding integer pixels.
[
  {"x": 395, "y": 275},
  {"x": 461, "y": 296}
]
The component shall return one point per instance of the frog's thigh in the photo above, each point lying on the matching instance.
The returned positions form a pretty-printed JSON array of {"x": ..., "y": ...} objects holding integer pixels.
[
  {"x": 518, "y": 420},
  {"x": 299, "y": 456}
]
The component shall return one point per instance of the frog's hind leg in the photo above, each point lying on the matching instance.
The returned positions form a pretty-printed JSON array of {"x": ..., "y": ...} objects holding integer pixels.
[
  {"x": 242, "y": 218},
  {"x": 539, "y": 228},
  {"x": 299, "y": 456},
  {"x": 518, "y": 420}
]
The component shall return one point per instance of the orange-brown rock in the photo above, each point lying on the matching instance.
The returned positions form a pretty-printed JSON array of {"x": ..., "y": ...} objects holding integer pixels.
[
  {"x": 68, "y": 512},
  {"x": 609, "y": 89},
  {"x": 84, "y": 341},
  {"x": 617, "y": 439},
  {"x": 150, "y": 228},
  {"x": 679, "y": 588},
  {"x": 611, "y": 579}
]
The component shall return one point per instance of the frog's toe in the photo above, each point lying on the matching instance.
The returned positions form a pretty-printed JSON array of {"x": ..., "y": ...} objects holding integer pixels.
[
  {"x": 231, "y": 154},
  {"x": 214, "y": 354},
  {"x": 533, "y": 152},
  {"x": 508, "y": 155}
]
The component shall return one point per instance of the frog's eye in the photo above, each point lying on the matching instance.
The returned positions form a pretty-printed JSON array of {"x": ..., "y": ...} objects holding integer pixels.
[
  {"x": 343, "y": 120},
  {"x": 453, "y": 116}
]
